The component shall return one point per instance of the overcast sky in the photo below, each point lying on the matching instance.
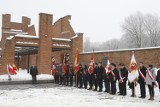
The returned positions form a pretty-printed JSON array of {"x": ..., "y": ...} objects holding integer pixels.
[{"x": 100, "y": 20}]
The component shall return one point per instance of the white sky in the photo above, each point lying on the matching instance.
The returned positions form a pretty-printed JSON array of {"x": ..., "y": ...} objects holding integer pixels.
[{"x": 98, "y": 19}]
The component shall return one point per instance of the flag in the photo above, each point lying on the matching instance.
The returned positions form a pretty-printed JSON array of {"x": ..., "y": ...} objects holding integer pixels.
[
  {"x": 76, "y": 65},
  {"x": 53, "y": 71},
  {"x": 11, "y": 70},
  {"x": 107, "y": 68},
  {"x": 91, "y": 65},
  {"x": 133, "y": 73},
  {"x": 15, "y": 68},
  {"x": 64, "y": 67}
]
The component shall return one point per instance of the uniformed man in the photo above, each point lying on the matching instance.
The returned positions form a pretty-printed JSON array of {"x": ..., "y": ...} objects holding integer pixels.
[
  {"x": 141, "y": 80},
  {"x": 67, "y": 76},
  {"x": 85, "y": 76},
  {"x": 100, "y": 71},
  {"x": 95, "y": 76},
  {"x": 71, "y": 73},
  {"x": 113, "y": 76},
  {"x": 79, "y": 76},
  {"x": 123, "y": 77}
]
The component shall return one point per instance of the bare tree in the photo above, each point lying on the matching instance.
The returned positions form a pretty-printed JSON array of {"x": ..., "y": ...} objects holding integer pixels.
[
  {"x": 87, "y": 44},
  {"x": 152, "y": 28},
  {"x": 133, "y": 27}
]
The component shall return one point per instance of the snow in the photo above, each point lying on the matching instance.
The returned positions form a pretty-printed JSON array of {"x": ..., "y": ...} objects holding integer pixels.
[
  {"x": 61, "y": 39},
  {"x": 121, "y": 50},
  {"x": 23, "y": 75},
  {"x": 65, "y": 32},
  {"x": 74, "y": 36},
  {"x": 61, "y": 45},
  {"x": 15, "y": 30},
  {"x": 26, "y": 43},
  {"x": 54, "y": 95},
  {"x": 26, "y": 36},
  {"x": 10, "y": 37}
]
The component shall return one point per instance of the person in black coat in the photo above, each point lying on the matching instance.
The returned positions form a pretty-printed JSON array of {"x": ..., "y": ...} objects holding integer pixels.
[
  {"x": 113, "y": 76},
  {"x": 141, "y": 80},
  {"x": 95, "y": 76},
  {"x": 123, "y": 77},
  {"x": 100, "y": 71},
  {"x": 85, "y": 76},
  {"x": 90, "y": 78},
  {"x": 80, "y": 76},
  {"x": 71, "y": 73},
  {"x": 106, "y": 81},
  {"x": 34, "y": 73},
  {"x": 158, "y": 77},
  {"x": 66, "y": 76}
]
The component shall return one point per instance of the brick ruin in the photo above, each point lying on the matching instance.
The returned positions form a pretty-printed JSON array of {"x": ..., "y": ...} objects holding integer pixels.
[{"x": 21, "y": 45}]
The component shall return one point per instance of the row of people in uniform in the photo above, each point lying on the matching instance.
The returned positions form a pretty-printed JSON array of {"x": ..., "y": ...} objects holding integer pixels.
[{"x": 118, "y": 74}]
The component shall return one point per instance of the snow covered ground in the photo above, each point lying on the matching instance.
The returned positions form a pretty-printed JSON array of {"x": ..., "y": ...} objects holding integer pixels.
[
  {"x": 53, "y": 95},
  {"x": 23, "y": 75}
]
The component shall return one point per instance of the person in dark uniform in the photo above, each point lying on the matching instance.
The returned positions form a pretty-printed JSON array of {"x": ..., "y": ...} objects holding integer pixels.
[
  {"x": 67, "y": 76},
  {"x": 141, "y": 80},
  {"x": 113, "y": 76},
  {"x": 59, "y": 69},
  {"x": 158, "y": 77},
  {"x": 90, "y": 77},
  {"x": 123, "y": 77},
  {"x": 95, "y": 76},
  {"x": 106, "y": 81},
  {"x": 34, "y": 73},
  {"x": 100, "y": 71},
  {"x": 85, "y": 76},
  {"x": 79, "y": 76},
  {"x": 56, "y": 76},
  {"x": 71, "y": 73}
]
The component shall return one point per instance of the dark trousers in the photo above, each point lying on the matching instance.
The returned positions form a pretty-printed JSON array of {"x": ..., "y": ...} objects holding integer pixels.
[
  {"x": 85, "y": 81},
  {"x": 122, "y": 88},
  {"x": 56, "y": 78},
  {"x": 66, "y": 79},
  {"x": 132, "y": 86},
  {"x": 107, "y": 85},
  {"x": 79, "y": 81},
  {"x": 34, "y": 79},
  {"x": 100, "y": 83},
  {"x": 90, "y": 79},
  {"x": 63, "y": 80},
  {"x": 113, "y": 87},
  {"x": 95, "y": 83},
  {"x": 71, "y": 80},
  {"x": 143, "y": 90},
  {"x": 60, "y": 79},
  {"x": 151, "y": 90}
]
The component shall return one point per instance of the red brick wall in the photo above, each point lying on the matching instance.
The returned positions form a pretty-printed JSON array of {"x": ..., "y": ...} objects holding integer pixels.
[
  {"x": 45, "y": 43},
  {"x": 147, "y": 56}
]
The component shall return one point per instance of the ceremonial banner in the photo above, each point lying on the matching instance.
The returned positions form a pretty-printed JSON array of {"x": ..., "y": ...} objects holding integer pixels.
[{"x": 133, "y": 73}]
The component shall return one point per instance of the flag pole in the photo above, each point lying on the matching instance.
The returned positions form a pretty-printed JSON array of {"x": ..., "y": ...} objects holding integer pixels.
[
  {"x": 76, "y": 81},
  {"x": 134, "y": 83},
  {"x": 134, "y": 88}
]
